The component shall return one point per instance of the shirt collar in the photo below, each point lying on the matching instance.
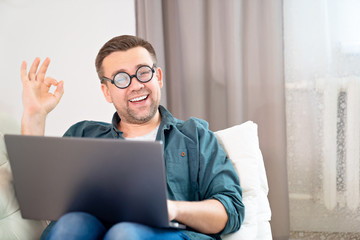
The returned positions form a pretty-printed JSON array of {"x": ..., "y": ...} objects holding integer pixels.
[{"x": 115, "y": 123}]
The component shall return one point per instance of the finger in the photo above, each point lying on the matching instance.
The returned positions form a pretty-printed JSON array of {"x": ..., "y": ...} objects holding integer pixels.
[
  {"x": 50, "y": 81},
  {"x": 23, "y": 72},
  {"x": 59, "y": 91},
  {"x": 42, "y": 70},
  {"x": 33, "y": 69}
]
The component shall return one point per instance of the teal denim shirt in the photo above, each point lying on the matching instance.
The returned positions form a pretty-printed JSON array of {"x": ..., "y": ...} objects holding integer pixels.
[{"x": 196, "y": 165}]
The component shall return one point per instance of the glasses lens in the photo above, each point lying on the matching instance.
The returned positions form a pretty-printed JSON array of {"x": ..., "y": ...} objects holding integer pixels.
[
  {"x": 144, "y": 73},
  {"x": 121, "y": 80}
]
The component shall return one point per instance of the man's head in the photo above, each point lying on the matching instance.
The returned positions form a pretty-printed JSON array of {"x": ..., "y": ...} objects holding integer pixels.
[
  {"x": 138, "y": 102},
  {"x": 121, "y": 43}
]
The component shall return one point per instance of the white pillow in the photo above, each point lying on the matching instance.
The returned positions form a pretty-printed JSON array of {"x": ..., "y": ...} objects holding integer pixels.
[{"x": 241, "y": 145}]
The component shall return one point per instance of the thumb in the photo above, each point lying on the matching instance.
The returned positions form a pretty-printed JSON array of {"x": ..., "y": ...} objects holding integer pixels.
[{"x": 59, "y": 90}]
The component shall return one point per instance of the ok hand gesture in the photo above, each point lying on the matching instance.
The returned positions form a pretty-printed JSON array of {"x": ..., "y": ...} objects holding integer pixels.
[{"x": 37, "y": 99}]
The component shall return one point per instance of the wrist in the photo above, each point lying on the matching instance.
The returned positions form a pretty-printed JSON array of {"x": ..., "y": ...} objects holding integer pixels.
[
  {"x": 33, "y": 124},
  {"x": 173, "y": 210}
]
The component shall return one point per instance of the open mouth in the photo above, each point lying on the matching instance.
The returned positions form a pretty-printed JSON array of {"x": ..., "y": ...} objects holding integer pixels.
[{"x": 139, "y": 99}]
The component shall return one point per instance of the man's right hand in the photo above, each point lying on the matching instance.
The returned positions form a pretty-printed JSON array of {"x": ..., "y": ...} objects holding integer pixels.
[{"x": 37, "y": 99}]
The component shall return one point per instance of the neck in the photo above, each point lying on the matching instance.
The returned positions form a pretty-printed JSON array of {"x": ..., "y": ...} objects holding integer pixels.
[{"x": 131, "y": 130}]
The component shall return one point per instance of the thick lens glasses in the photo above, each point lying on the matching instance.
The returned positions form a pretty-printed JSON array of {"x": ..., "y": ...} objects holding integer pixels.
[{"x": 122, "y": 79}]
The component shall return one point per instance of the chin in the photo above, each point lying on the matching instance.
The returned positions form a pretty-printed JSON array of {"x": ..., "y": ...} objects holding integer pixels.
[{"x": 142, "y": 118}]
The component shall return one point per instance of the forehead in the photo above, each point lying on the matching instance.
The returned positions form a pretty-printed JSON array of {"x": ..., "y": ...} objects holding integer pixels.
[{"x": 126, "y": 60}]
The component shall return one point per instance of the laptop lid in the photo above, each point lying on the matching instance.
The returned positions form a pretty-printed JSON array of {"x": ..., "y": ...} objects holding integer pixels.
[{"x": 115, "y": 180}]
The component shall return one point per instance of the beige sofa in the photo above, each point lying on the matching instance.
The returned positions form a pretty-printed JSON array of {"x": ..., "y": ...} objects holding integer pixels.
[
  {"x": 12, "y": 226},
  {"x": 241, "y": 145}
]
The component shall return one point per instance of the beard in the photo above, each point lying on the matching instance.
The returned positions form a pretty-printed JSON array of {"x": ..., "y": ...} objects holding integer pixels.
[
  {"x": 139, "y": 116},
  {"x": 134, "y": 117}
]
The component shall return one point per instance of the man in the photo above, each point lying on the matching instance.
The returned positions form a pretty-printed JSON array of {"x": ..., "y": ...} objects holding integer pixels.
[{"x": 203, "y": 188}]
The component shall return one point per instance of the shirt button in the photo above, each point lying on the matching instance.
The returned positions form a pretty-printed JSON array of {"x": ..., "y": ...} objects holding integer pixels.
[{"x": 183, "y": 154}]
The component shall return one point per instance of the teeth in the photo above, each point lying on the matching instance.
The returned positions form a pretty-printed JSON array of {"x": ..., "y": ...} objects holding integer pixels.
[{"x": 138, "y": 99}]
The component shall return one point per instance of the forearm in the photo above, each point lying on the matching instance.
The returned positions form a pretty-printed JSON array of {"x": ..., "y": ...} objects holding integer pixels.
[{"x": 208, "y": 216}]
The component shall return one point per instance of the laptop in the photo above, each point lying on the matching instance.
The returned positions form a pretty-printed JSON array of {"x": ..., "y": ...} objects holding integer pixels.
[{"x": 115, "y": 180}]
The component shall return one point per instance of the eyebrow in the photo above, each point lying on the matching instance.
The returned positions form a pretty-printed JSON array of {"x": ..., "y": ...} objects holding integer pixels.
[{"x": 123, "y": 70}]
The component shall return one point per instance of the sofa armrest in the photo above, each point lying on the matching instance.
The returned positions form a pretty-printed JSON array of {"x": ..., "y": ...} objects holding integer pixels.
[{"x": 12, "y": 225}]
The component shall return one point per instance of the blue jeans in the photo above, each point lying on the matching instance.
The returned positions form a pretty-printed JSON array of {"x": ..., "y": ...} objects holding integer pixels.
[{"x": 79, "y": 225}]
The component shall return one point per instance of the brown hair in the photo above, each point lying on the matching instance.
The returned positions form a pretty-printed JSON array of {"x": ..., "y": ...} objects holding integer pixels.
[{"x": 121, "y": 43}]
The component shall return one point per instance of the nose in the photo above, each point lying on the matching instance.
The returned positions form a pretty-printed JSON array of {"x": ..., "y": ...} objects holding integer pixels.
[{"x": 135, "y": 84}]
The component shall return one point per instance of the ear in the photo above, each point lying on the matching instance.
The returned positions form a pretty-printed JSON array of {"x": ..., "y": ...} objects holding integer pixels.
[
  {"x": 159, "y": 76},
  {"x": 106, "y": 92}
]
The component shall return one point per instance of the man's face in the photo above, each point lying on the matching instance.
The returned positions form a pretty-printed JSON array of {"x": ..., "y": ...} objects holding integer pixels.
[{"x": 138, "y": 103}]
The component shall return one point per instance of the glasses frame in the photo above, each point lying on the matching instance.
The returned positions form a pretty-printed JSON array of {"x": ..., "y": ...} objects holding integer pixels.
[{"x": 131, "y": 76}]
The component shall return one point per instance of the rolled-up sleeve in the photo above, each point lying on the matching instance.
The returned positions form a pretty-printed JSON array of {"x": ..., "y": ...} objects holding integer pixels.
[{"x": 219, "y": 180}]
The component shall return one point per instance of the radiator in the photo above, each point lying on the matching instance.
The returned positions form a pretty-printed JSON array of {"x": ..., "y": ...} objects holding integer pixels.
[{"x": 340, "y": 99}]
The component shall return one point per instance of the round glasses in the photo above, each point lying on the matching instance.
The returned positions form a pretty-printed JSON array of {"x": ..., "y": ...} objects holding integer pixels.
[{"x": 122, "y": 79}]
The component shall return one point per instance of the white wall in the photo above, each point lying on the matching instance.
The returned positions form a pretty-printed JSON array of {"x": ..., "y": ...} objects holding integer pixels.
[{"x": 70, "y": 33}]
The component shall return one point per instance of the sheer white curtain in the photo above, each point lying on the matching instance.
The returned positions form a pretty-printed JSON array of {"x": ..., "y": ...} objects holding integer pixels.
[{"x": 322, "y": 74}]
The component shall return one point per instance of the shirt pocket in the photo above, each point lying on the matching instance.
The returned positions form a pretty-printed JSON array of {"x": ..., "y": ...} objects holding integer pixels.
[{"x": 178, "y": 173}]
